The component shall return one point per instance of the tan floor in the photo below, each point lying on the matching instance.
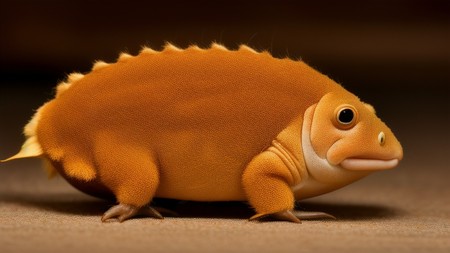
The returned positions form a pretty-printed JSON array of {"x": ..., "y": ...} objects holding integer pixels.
[
  {"x": 403, "y": 210},
  {"x": 396, "y": 211}
]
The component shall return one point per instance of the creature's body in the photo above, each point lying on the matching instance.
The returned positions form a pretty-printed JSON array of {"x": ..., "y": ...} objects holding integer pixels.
[{"x": 208, "y": 125}]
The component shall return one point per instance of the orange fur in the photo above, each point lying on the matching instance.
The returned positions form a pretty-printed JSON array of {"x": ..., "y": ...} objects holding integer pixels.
[{"x": 206, "y": 125}]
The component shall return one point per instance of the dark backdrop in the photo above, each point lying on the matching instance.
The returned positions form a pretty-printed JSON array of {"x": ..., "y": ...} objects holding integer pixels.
[{"x": 393, "y": 54}]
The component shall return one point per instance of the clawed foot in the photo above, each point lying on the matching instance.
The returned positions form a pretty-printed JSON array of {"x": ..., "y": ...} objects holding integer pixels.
[
  {"x": 293, "y": 216},
  {"x": 124, "y": 212}
]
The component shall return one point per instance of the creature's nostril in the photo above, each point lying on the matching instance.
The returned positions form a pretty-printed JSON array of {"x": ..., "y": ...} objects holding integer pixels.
[{"x": 381, "y": 138}]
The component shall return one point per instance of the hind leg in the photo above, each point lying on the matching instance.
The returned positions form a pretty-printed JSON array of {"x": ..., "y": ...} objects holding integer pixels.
[{"x": 131, "y": 174}]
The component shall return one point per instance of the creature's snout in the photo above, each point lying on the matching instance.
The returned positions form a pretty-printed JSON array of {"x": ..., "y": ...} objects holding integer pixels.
[{"x": 386, "y": 156}]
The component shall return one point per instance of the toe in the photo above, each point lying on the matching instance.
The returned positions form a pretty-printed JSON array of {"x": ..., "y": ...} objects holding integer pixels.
[
  {"x": 120, "y": 211},
  {"x": 111, "y": 213},
  {"x": 313, "y": 215},
  {"x": 128, "y": 213},
  {"x": 286, "y": 215},
  {"x": 166, "y": 212},
  {"x": 150, "y": 212}
]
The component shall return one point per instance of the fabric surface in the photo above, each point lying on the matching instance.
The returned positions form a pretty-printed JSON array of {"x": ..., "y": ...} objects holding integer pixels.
[{"x": 402, "y": 210}]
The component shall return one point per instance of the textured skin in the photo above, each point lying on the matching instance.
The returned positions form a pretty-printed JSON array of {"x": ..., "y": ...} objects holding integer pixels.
[{"x": 201, "y": 124}]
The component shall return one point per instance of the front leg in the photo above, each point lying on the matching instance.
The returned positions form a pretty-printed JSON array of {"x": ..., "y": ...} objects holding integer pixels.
[{"x": 266, "y": 182}]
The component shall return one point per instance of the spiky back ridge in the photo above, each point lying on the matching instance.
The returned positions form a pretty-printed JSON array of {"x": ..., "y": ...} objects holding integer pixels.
[
  {"x": 123, "y": 57},
  {"x": 32, "y": 147}
]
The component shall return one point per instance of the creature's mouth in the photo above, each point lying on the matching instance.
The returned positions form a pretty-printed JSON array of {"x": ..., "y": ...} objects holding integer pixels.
[{"x": 368, "y": 164}]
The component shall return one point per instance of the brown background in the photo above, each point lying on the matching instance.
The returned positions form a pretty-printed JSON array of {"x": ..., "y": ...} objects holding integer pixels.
[{"x": 393, "y": 54}]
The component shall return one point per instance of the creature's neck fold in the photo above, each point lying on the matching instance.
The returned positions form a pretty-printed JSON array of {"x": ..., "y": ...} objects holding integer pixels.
[
  {"x": 288, "y": 159},
  {"x": 288, "y": 145}
]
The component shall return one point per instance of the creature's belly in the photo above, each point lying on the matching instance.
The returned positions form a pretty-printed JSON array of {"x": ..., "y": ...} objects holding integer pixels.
[
  {"x": 203, "y": 166},
  {"x": 179, "y": 188},
  {"x": 203, "y": 182}
]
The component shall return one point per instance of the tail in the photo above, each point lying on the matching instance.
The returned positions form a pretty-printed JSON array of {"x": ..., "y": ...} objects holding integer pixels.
[{"x": 31, "y": 147}]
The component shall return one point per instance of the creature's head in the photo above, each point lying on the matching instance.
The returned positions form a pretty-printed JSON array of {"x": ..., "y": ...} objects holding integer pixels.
[{"x": 344, "y": 140}]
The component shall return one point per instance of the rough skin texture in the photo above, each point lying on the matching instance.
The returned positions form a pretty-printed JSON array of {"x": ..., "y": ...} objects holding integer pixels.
[{"x": 207, "y": 125}]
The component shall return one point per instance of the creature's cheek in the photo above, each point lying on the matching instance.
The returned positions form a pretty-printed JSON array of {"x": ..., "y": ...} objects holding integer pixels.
[
  {"x": 322, "y": 137},
  {"x": 322, "y": 140},
  {"x": 336, "y": 153},
  {"x": 347, "y": 143},
  {"x": 357, "y": 142}
]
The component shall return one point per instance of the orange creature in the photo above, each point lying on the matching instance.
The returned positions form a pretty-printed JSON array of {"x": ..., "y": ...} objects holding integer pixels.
[{"x": 208, "y": 125}]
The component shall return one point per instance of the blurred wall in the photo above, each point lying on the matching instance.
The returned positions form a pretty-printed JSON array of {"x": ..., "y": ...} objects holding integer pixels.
[{"x": 388, "y": 39}]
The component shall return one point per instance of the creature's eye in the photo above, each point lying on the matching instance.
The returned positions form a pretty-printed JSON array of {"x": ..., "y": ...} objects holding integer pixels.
[{"x": 346, "y": 116}]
